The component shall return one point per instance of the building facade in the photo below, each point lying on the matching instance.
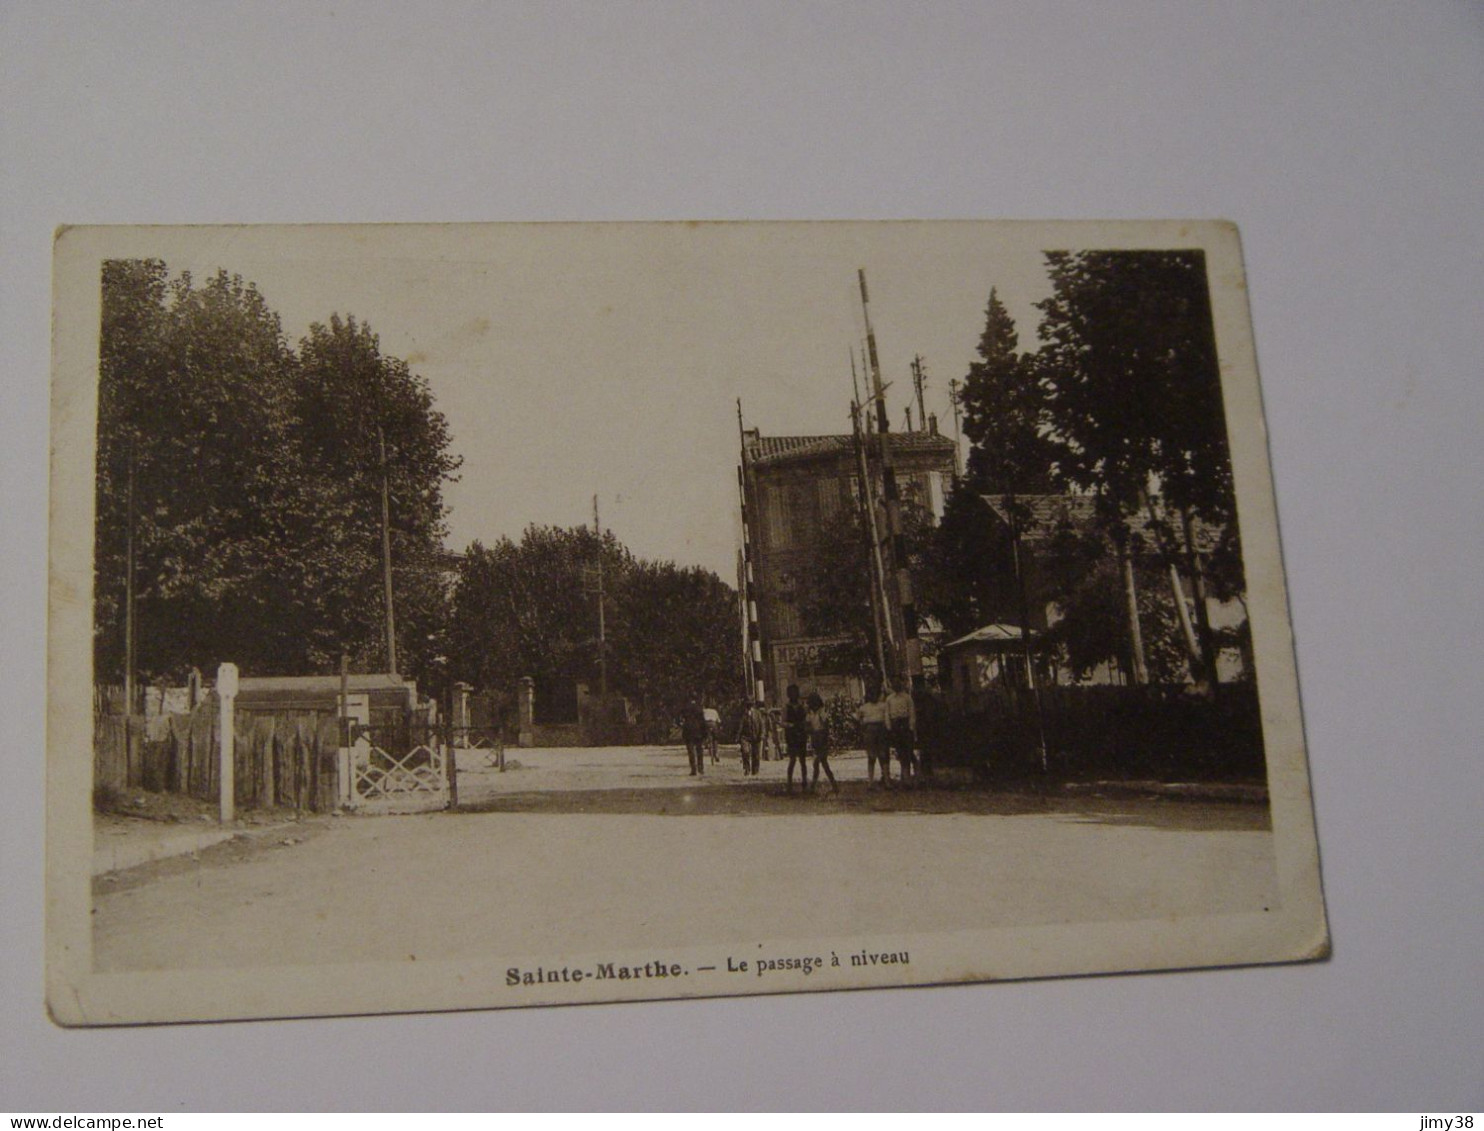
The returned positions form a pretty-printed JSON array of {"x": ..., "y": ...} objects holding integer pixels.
[{"x": 796, "y": 489}]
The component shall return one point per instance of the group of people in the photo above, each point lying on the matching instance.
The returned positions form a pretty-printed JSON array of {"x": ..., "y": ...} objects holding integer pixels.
[
  {"x": 888, "y": 722},
  {"x": 889, "y": 726},
  {"x": 805, "y": 728}
]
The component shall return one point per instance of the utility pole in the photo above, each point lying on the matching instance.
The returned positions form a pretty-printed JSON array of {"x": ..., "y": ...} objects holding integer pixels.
[
  {"x": 879, "y": 620},
  {"x": 129, "y": 628},
  {"x": 957, "y": 442},
  {"x": 753, "y": 636},
  {"x": 386, "y": 556},
  {"x": 1025, "y": 631},
  {"x": 910, "y": 663},
  {"x": 918, "y": 381},
  {"x": 602, "y": 623}
]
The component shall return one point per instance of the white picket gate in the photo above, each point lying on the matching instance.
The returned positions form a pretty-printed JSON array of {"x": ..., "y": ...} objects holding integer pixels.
[{"x": 379, "y": 776}]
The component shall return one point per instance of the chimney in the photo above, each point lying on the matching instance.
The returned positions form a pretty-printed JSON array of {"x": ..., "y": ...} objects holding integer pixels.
[{"x": 933, "y": 423}]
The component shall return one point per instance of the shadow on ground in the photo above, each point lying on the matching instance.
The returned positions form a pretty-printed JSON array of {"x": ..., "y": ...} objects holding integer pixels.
[{"x": 773, "y": 800}]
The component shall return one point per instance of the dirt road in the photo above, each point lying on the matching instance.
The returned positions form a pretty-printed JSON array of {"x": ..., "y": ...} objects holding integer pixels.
[{"x": 594, "y": 850}]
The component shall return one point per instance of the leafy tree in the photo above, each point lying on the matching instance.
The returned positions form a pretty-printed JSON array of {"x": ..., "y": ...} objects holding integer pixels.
[
  {"x": 529, "y": 608},
  {"x": 1005, "y": 414},
  {"x": 677, "y": 638},
  {"x": 194, "y": 387},
  {"x": 968, "y": 579},
  {"x": 1129, "y": 365},
  {"x": 1083, "y": 580},
  {"x": 131, "y": 350},
  {"x": 351, "y": 404},
  {"x": 255, "y": 491},
  {"x": 832, "y": 589}
]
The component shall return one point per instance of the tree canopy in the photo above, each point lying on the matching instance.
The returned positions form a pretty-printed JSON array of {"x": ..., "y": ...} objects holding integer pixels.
[
  {"x": 1121, "y": 402},
  {"x": 1005, "y": 413},
  {"x": 530, "y": 608},
  {"x": 247, "y": 476}
]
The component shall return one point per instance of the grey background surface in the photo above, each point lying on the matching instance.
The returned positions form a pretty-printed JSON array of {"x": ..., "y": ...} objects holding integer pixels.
[{"x": 1344, "y": 139}]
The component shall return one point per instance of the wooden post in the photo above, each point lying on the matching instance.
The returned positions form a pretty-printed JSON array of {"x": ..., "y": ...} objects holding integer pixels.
[
  {"x": 1202, "y": 611},
  {"x": 753, "y": 664},
  {"x": 129, "y": 627},
  {"x": 451, "y": 766},
  {"x": 1131, "y": 608},
  {"x": 386, "y": 557},
  {"x": 918, "y": 381},
  {"x": 527, "y": 706},
  {"x": 880, "y": 617},
  {"x": 342, "y": 752},
  {"x": 602, "y": 622},
  {"x": 957, "y": 440},
  {"x": 1025, "y": 636},
  {"x": 902, "y": 607},
  {"x": 226, "y": 693}
]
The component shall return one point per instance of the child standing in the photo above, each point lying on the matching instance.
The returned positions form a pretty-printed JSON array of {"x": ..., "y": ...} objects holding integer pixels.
[{"x": 819, "y": 738}]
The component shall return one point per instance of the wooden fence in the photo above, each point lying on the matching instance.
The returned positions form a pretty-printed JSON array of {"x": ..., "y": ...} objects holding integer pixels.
[{"x": 280, "y": 758}]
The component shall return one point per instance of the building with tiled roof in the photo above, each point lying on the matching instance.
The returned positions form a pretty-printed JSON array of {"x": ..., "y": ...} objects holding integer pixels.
[
  {"x": 1042, "y": 517},
  {"x": 797, "y": 487}
]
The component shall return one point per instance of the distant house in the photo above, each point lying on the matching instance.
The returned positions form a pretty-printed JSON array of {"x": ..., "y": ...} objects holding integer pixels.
[
  {"x": 989, "y": 657},
  {"x": 1039, "y": 521},
  {"x": 796, "y": 486},
  {"x": 379, "y": 698}
]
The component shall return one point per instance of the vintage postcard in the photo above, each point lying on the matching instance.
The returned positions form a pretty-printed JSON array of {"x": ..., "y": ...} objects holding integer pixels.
[{"x": 469, "y": 616}]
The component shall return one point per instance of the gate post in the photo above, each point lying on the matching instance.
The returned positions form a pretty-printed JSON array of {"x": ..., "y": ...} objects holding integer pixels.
[
  {"x": 226, "y": 693},
  {"x": 527, "y": 735}
]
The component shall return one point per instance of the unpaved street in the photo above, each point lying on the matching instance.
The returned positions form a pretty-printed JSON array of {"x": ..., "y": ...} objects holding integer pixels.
[{"x": 587, "y": 850}]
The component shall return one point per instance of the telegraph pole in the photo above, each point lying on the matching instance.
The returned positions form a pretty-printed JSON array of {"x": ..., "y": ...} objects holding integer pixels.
[
  {"x": 753, "y": 637},
  {"x": 880, "y": 622},
  {"x": 910, "y": 663},
  {"x": 957, "y": 442},
  {"x": 918, "y": 381},
  {"x": 602, "y": 623},
  {"x": 386, "y": 557},
  {"x": 129, "y": 627}
]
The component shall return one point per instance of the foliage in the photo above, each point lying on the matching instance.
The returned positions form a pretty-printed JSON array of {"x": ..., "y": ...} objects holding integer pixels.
[
  {"x": 1122, "y": 402},
  {"x": 832, "y": 590},
  {"x": 1005, "y": 413},
  {"x": 1134, "y": 389},
  {"x": 350, "y": 399},
  {"x": 1130, "y": 369},
  {"x": 968, "y": 577},
  {"x": 530, "y": 609},
  {"x": 256, "y": 517},
  {"x": 678, "y": 637},
  {"x": 843, "y": 722},
  {"x": 1088, "y": 588}
]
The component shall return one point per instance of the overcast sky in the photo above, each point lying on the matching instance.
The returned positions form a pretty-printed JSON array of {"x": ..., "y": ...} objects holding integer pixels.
[{"x": 574, "y": 360}]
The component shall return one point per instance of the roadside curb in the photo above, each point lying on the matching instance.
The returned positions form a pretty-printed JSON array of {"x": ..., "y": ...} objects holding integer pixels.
[
  {"x": 1180, "y": 791},
  {"x": 117, "y": 850}
]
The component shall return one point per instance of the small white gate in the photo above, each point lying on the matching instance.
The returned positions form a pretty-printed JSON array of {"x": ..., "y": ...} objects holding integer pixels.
[{"x": 394, "y": 770}]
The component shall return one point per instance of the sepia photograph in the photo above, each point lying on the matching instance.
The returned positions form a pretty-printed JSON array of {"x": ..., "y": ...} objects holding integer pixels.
[{"x": 477, "y": 616}]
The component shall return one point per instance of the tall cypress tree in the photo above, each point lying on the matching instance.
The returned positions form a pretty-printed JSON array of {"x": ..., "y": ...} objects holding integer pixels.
[{"x": 1005, "y": 415}]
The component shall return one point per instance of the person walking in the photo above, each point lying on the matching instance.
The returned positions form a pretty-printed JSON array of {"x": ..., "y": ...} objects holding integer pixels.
[
  {"x": 750, "y": 736},
  {"x": 796, "y": 737},
  {"x": 713, "y": 732},
  {"x": 901, "y": 726},
  {"x": 872, "y": 716},
  {"x": 693, "y": 731},
  {"x": 819, "y": 739}
]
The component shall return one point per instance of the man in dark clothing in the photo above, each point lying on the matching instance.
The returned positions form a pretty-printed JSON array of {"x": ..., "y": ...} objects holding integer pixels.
[
  {"x": 750, "y": 737},
  {"x": 796, "y": 737},
  {"x": 693, "y": 730}
]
